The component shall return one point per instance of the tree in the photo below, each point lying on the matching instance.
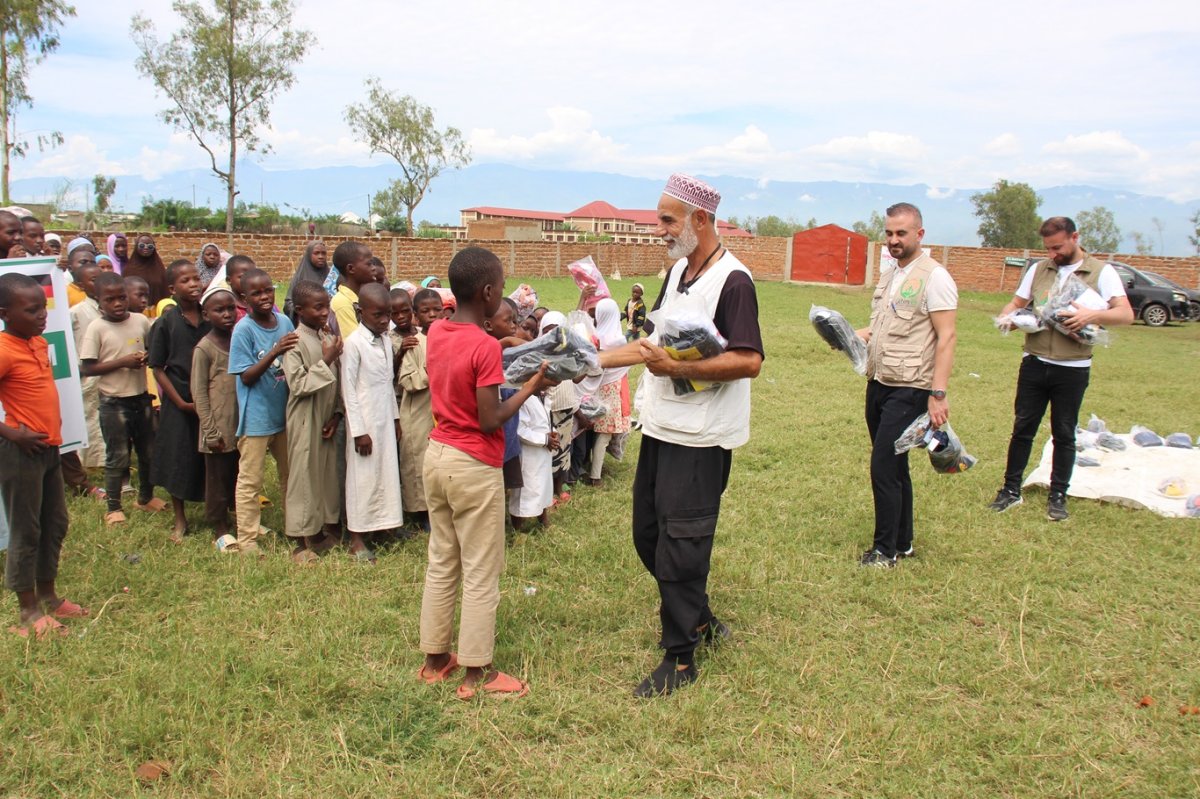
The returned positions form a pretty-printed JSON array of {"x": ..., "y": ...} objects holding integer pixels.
[
  {"x": 1195, "y": 240},
  {"x": 1142, "y": 245},
  {"x": 872, "y": 229},
  {"x": 401, "y": 127},
  {"x": 1008, "y": 216},
  {"x": 772, "y": 225},
  {"x": 28, "y": 33},
  {"x": 103, "y": 188},
  {"x": 221, "y": 72},
  {"x": 1098, "y": 231}
]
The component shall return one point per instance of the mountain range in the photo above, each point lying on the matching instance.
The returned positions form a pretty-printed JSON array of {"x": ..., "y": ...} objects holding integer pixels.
[{"x": 948, "y": 212}]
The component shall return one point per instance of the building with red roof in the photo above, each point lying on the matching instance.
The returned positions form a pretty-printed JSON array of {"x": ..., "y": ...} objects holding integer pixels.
[{"x": 597, "y": 218}]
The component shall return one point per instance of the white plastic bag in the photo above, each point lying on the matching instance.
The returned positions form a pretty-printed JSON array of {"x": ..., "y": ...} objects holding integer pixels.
[
  {"x": 1145, "y": 437},
  {"x": 1022, "y": 319},
  {"x": 1074, "y": 292},
  {"x": 946, "y": 452},
  {"x": 687, "y": 334}
]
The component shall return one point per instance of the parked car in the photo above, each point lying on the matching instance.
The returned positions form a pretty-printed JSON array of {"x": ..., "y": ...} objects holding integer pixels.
[
  {"x": 1193, "y": 295},
  {"x": 1153, "y": 303}
]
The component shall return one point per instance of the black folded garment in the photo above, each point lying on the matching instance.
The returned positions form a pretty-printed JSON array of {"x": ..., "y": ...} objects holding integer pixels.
[{"x": 569, "y": 355}]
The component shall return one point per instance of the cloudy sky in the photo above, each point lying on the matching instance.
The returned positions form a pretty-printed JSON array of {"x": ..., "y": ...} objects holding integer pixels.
[{"x": 952, "y": 94}]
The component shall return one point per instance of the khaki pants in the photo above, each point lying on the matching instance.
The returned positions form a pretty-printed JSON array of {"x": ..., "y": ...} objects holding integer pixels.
[
  {"x": 466, "y": 545},
  {"x": 251, "y": 465}
]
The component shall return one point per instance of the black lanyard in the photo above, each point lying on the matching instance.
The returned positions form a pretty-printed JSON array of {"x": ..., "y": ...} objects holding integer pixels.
[{"x": 683, "y": 287}]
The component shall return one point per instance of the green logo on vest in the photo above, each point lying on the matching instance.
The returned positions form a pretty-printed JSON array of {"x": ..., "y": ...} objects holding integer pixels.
[{"x": 911, "y": 288}]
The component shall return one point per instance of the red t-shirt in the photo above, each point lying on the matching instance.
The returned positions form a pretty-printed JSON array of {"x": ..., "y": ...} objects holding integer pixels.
[
  {"x": 461, "y": 358},
  {"x": 27, "y": 389}
]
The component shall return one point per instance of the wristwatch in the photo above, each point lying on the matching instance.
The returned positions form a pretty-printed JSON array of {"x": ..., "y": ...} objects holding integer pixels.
[{"x": 938, "y": 393}]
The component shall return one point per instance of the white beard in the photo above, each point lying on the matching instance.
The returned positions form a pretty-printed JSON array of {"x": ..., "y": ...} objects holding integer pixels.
[{"x": 685, "y": 244}]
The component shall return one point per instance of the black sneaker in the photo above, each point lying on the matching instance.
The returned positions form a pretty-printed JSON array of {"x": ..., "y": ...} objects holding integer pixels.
[
  {"x": 876, "y": 558},
  {"x": 1056, "y": 507},
  {"x": 1005, "y": 498},
  {"x": 714, "y": 633},
  {"x": 907, "y": 553},
  {"x": 665, "y": 679}
]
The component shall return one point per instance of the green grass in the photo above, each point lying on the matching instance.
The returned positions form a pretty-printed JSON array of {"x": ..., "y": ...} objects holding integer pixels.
[{"x": 1007, "y": 660}]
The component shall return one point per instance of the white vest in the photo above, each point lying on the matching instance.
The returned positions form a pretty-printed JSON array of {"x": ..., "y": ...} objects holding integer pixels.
[{"x": 717, "y": 417}]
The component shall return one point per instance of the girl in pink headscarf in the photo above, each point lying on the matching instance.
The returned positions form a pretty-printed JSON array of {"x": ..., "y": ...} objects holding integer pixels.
[{"x": 118, "y": 251}]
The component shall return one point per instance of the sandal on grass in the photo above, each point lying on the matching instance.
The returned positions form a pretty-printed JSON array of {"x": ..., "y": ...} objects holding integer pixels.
[
  {"x": 153, "y": 506},
  {"x": 44, "y": 627},
  {"x": 304, "y": 557},
  {"x": 502, "y": 686},
  {"x": 114, "y": 517},
  {"x": 69, "y": 610},
  {"x": 440, "y": 674},
  {"x": 97, "y": 493}
]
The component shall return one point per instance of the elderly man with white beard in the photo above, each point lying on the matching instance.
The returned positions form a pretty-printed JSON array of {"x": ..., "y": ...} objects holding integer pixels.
[{"x": 688, "y": 441}]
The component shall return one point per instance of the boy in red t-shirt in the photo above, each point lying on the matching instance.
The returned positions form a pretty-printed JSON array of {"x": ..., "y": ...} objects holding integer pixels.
[
  {"x": 464, "y": 485},
  {"x": 31, "y": 481}
]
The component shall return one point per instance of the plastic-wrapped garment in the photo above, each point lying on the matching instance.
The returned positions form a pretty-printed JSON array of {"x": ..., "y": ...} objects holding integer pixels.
[
  {"x": 1180, "y": 440},
  {"x": 687, "y": 334},
  {"x": 1173, "y": 487},
  {"x": 526, "y": 299},
  {"x": 1192, "y": 508},
  {"x": 586, "y": 273},
  {"x": 1022, "y": 319},
  {"x": 838, "y": 333},
  {"x": 568, "y": 354},
  {"x": 946, "y": 452},
  {"x": 1084, "y": 460},
  {"x": 591, "y": 408},
  {"x": 1097, "y": 425},
  {"x": 1145, "y": 437},
  {"x": 1086, "y": 439},
  {"x": 448, "y": 300},
  {"x": 1074, "y": 291},
  {"x": 1109, "y": 441}
]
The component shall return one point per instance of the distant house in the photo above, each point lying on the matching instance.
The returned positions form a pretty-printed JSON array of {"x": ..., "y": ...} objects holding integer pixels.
[{"x": 597, "y": 218}]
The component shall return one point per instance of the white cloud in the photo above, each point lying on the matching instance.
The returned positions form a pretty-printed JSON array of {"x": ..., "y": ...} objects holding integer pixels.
[
  {"x": 570, "y": 137},
  {"x": 78, "y": 156},
  {"x": 806, "y": 198},
  {"x": 763, "y": 183},
  {"x": 1106, "y": 144},
  {"x": 1004, "y": 144},
  {"x": 934, "y": 193},
  {"x": 875, "y": 143}
]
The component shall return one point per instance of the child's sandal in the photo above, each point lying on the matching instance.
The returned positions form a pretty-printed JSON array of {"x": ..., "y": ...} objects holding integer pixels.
[{"x": 114, "y": 517}]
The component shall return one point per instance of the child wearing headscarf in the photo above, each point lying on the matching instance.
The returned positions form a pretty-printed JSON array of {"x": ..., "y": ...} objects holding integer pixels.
[
  {"x": 209, "y": 263},
  {"x": 314, "y": 266},
  {"x": 607, "y": 387},
  {"x": 118, "y": 252}
]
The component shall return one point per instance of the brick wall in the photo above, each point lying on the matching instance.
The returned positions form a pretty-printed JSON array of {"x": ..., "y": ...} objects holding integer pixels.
[{"x": 973, "y": 268}]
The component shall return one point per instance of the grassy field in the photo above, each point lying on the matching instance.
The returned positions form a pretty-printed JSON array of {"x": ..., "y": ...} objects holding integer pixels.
[{"x": 1006, "y": 660}]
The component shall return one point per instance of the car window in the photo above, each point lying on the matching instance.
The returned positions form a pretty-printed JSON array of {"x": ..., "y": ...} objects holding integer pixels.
[{"x": 1159, "y": 280}]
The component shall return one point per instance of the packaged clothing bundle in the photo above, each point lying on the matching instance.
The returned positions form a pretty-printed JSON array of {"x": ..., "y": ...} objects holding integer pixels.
[
  {"x": 1092, "y": 439},
  {"x": 447, "y": 296},
  {"x": 839, "y": 334},
  {"x": 687, "y": 334},
  {"x": 1180, "y": 440},
  {"x": 1097, "y": 425},
  {"x": 1022, "y": 319},
  {"x": 1145, "y": 437},
  {"x": 569, "y": 355},
  {"x": 591, "y": 408},
  {"x": 946, "y": 452},
  {"x": 1072, "y": 292},
  {"x": 586, "y": 273},
  {"x": 526, "y": 299}
]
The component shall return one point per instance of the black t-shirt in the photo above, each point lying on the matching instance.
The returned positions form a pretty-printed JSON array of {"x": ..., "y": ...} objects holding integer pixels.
[
  {"x": 737, "y": 312},
  {"x": 172, "y": 341}
]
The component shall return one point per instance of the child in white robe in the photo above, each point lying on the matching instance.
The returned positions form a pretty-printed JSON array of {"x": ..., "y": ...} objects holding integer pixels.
[
  {"x": 372, "y": 424},
  {"x": 538, "y": 441}
]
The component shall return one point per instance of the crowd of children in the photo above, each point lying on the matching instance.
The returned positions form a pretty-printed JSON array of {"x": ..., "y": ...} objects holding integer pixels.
[{"x": 381, "y": 408}]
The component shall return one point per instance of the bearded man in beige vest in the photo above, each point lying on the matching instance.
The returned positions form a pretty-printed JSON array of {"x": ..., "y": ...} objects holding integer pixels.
[
  {"x": 910, "y": 353},
  {"x": 1055, "y": 368}
]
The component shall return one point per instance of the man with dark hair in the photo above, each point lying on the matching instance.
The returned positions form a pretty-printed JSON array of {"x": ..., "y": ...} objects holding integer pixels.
[
  {"x": 10, "y": 235},
  {"x": 687, "y": 446},
  {"x": 910, "y": 354},
  {"x": 1055, "y": 367}
]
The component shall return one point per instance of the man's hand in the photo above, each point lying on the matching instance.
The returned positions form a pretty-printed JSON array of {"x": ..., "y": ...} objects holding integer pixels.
[
  {"x": 939, "y": 411},
  {"x": 31, "y": 442},
  {"x": 553, "y": 440},
  {"x": 1076, "y": 317},
  {"x": 540, "y": 381},
  {"x": 657, "y": 360},
  {"x": 331, "y": 348},
  {"x": 330, "y": 427},
  {"x": 286, "y": 343},
  {"x": 362, "y": 445},
  {"x": 864, "y": 333}
]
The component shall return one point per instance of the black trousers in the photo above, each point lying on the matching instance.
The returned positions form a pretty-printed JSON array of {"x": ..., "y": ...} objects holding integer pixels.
[
  {"x": 890, "y": 409},
  {"x": 31, "y": 487},
  {"x": 220, "y": 481},
  {"x": 1038, "y": 384},
  {"x": 125, "y": 421},
  {"x": 676, "y": 499}
]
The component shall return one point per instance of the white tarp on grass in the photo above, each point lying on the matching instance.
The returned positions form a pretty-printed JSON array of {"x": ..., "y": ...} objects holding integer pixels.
[{"x": 1130, "y": 477}]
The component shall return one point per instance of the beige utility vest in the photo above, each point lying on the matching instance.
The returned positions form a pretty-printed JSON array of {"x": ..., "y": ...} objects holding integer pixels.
[
  {"x": 901, "y": 349},
  {"x": 1050, "y": 343}
]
